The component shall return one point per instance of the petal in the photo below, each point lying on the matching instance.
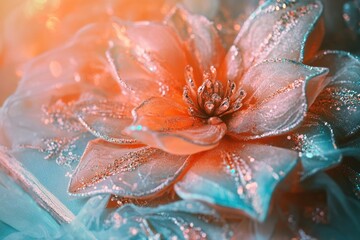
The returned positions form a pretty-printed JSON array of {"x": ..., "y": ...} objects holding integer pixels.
[
  {"x": 179, "y": 220},
  {"x": 106, "y": 119},
  {"x": 314, "y": 140},
  {"x": 165, "y": 124},
  {"x": 124, "y": 170},
  {"x": 200, "y": 36},
  {"x": 339, "y": 103},
  {"x": 241, "y": 176},
  {"x": 281, "y": 30},
  {"x": 278, "y": 95},
  {"x": 147, "y": 59},
  {"x": 42, "y": 105}
]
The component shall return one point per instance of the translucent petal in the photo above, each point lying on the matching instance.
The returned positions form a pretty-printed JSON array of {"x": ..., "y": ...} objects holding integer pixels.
[
  {"x": 200, "y": 36},
  {"x": 106, "y": 119},
  {"x": 163, "y": 123},
  {"x": 147, "y": 59},
  {"x": 52, "y": 83},
  {"x": 124, "y": 170},
  {"x": 281, "y": 29},
  {"x": 179, "y": 220},
  {"x": 238, "y": 176},
  {"x": 339, "y": 103},
  {"x": 278, "y": 93},
  {"x": 314, "y": 140}
]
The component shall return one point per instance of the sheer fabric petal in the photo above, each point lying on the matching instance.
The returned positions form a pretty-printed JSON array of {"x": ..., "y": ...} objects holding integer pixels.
[
  {"x": 148, "y": 59},
  {"x": 281, "y": 30},
  {"x": 179, "y": 220},
  {"x": 52, "y": 83},
  {"x": 124, "y": 170},
  {"x": 200, "y": 37},
  {"x": 339, "y": 103},
  {"x": 164, "y": 123},
  {"x": 106, "y": 119},
  {"x": 315, "y": 142},
  {"x": 278, "y": 95},
  {"x": 242, "y": 176}
]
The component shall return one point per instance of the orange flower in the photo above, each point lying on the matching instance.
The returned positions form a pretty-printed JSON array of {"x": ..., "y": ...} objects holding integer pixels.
[{"x": 201, "y": 105}]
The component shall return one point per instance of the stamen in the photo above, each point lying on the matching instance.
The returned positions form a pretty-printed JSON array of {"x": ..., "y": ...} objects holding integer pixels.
[
  {"x": 213, "y": 73},
  {"x": 216, "y": 98},
  {"x": 211, "y": 100},
  {"x": 218, "y": 88},
  {"x": 209, "y": 87},
  {"x": 224, "y": 106},
  {"x": 232, "y": 89},
  {"x": 240, "y": 94},
  {"x": 209, "y": 107},
  {"x": 186, "y": 96},
  {"x": 189, "y": 76}
]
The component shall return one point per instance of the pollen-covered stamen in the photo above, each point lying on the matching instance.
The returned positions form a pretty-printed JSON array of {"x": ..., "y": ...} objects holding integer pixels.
[
  {"x": 211, "y": 100},
  {"x": 190, "y": 80},
  {"x": 186, "y": 96}
]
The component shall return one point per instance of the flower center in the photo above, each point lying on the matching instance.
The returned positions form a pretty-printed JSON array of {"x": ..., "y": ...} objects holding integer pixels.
[{"x": 211, "y": 100}]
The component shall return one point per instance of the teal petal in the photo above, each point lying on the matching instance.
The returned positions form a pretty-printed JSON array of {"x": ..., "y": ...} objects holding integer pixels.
[
  {"x": 314, "y": 140},
  {"x": 179, "y": 220},
  {"x": 238, "y": 176},
  {"x": 339, "y": 103}
]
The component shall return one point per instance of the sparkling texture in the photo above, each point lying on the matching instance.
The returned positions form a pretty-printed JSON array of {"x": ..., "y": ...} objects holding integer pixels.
[{"x": 211, "y": 98}]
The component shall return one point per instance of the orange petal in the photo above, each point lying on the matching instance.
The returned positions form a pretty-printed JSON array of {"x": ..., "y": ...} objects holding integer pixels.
[
  {"x": 201, "y": 38},
  {"x": 127, "y": 171},
  {"x": 148, "y": 59},
  {"x": 164, "y": 124}
]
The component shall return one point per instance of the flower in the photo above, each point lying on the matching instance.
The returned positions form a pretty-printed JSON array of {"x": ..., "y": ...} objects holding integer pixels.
[
  {"x": 171, "y": 108},
  {"x": 201, "y": 106}
]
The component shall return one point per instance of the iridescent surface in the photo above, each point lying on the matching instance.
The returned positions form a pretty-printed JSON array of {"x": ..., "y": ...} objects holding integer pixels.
[{"x": 157, "y": 115}]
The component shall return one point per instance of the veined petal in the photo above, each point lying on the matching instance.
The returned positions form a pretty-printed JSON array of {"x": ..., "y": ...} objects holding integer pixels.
[
  {"x": 163, "y": 123},
  {"x": 314, "y": 140},
  {"x": 148, "y": 59},
  {"x": 339, "y": 103},
  {"x": 278, "y": 95},
  {"x": 241, "y": 176},
  {"x": 41, "y": 107},
  {"x": 200, "y": 37},
  {"x": 124, "y": 170},
  {"x": 281, "y": 29},
  {"x": 179, "y": 220},
  {"x": 106, "y": 119}
]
